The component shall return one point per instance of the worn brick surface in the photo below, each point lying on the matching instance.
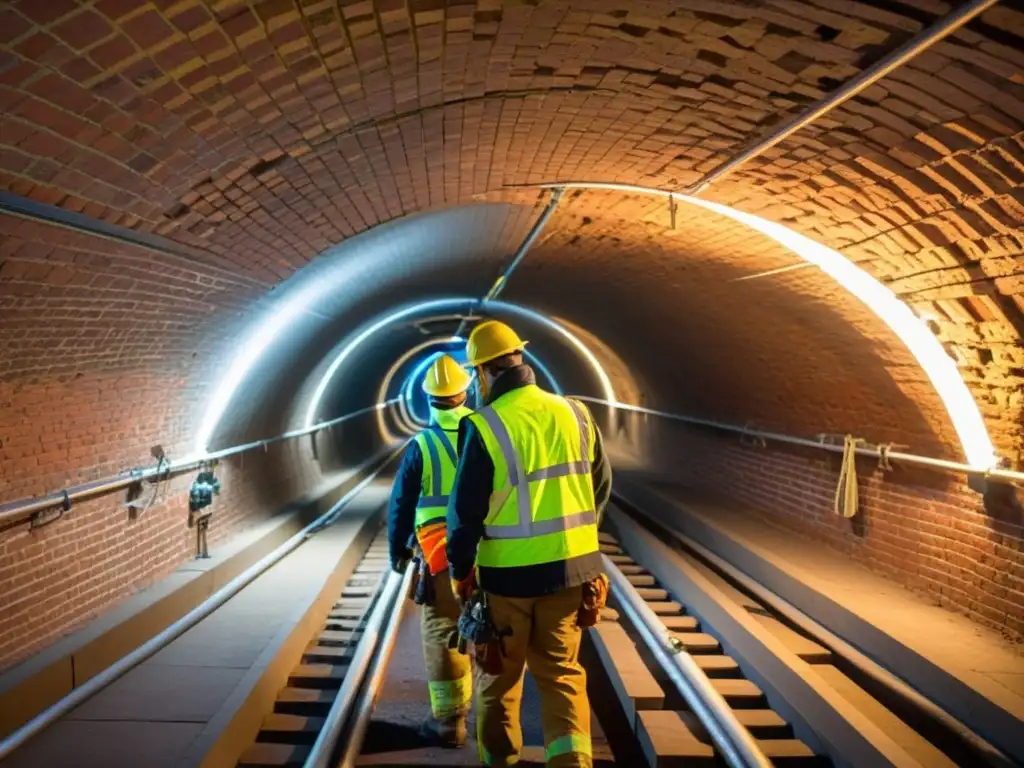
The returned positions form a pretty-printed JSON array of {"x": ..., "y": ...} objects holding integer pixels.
[
  {"x": 926, "y": 531},
  {"x": 262, "y": 132},
  {"x": 58, "y": 576}
]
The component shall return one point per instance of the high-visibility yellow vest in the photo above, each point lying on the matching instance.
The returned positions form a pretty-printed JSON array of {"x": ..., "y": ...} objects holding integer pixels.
[
  {"x": 439, "y": 448},
  {"x": 542, "y": 506}
]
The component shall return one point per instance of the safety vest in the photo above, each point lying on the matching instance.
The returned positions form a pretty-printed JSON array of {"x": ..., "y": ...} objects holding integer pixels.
[
  {"x": 542, "y": 502},
  {"x": 437, "y": 445}
]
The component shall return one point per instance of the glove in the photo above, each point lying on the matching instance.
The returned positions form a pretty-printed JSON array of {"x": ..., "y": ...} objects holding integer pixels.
[
  {"x": 464, "y": 589},
  {"x": 399, "y": 564}
]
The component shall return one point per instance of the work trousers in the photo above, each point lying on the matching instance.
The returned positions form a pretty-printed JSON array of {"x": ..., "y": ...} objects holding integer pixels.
[
  {"x": 544, "y": 636},
  {"x": 449, "y": 675}
]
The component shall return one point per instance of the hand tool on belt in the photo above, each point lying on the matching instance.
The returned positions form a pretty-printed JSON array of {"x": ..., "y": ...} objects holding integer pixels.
[
  {"x": 423, "y": 594},
  {"x": 595, "y": 597},
  {"x": 476, "y": 626}
]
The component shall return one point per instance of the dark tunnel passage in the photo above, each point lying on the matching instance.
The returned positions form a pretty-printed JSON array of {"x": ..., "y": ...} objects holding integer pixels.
[{"x": 223, "y": 222}]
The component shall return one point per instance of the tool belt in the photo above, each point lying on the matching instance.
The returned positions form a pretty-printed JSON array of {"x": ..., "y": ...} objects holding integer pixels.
[
  {"x": 476, "y": 626},
  {"x": 595, "y": 597},
  {"x": 423, "y": 592}
]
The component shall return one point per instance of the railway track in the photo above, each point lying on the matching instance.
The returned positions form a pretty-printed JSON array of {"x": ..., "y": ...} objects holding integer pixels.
[
  {"x": 290, "y": 733},
  {"x": 786, "y": 678},
  {"x": 667, "y": 728},
  {"x": 703, "y": 670}
]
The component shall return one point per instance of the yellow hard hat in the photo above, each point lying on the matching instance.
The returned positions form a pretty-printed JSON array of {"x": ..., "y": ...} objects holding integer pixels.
[
  {"x": 446, "y": 378},
  {"x": 491, "y": 340}
]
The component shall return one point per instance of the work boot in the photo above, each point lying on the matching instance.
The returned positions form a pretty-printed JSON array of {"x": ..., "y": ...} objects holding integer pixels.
[{"x": 449, "y": 733}]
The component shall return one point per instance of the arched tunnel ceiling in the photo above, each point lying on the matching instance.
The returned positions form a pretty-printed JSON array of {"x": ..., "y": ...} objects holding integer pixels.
[{"x": 265, "y": 133}]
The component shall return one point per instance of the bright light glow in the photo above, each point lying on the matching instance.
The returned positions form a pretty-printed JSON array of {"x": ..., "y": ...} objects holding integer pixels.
[
  {"x": 255, "y": 345},
  {"x": 912, "y": 331},
  {"x": 385, "y": 383},
  {"x": 442, "y": 304},
  {"x": 569, "y": 336},
  {"x": 406, "y": 396},
  {"x": 366, "y": 333},
  {"x": 940, "y": 368}
]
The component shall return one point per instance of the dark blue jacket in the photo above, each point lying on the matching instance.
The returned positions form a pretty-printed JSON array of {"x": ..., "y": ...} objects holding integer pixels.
[{"x": 405, "y": 495}]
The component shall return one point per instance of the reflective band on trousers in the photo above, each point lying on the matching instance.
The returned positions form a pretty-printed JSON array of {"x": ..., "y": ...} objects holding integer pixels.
[
  {"x": 450, "y": 697},
  {"x": 526, "y": 527},
  {"x": 564, "y": 745},
  {"x": 485, "y": 756}
]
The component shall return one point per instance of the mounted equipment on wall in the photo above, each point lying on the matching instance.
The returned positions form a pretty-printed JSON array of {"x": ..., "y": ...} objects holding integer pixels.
[{"x": 204, "y": 487}]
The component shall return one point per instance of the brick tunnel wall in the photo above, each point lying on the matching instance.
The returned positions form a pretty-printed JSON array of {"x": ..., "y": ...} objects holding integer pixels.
[
  {"x": 106, "y": 353},
  {"x": 57, "y": 577},
  {"x": 260, "y": 133},
  {"x": 925, "y": 530}
]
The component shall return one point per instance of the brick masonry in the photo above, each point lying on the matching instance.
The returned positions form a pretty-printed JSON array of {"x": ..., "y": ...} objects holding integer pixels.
[
  {"x": 926, "y": 531},
  {"x": 59, "y": 576},
  {"x": 261, "y": 132}
]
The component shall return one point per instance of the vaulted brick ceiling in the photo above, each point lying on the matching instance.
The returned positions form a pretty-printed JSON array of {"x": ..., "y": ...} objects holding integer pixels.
[{"x": 259, "y": 134}]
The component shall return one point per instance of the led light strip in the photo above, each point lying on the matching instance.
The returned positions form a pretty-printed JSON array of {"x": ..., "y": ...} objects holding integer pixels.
[
  {"x": 912, "y": 331},
  {"x": 441, "y": 305},
  {"x": 386, "y": 381}
]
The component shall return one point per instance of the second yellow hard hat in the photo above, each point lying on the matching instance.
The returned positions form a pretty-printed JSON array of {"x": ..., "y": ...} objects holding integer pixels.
[
  {"x": 491, "y": 340},
  {"x": 446, "y": 378}
]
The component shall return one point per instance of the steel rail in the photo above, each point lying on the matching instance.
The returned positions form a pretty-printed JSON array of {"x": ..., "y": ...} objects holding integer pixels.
[
  {"x": 336, "y": 720},
  {"x": 880, "y": 452},
  {"x": 370, "y": 690},
  {"x": 17, "y": 510},
  {"x": 982, "y": 749},
  {"x": 161, "y": 640},
  {"x": 735, "y": 744}
]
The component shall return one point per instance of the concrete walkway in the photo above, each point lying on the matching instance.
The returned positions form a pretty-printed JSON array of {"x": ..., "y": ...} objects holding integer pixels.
[
  {"x": 172, "y": 709},
  {"x": 970, "y": 670}
]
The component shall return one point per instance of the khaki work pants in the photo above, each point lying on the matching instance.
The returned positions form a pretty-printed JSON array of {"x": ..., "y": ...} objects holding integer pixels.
[
  {"x": 449, "y": 675},
  {"x": 545, "y": 637}
]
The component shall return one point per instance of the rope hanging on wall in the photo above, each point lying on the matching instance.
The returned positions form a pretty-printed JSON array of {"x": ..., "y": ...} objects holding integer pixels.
[{"x": 846, "y": 502}]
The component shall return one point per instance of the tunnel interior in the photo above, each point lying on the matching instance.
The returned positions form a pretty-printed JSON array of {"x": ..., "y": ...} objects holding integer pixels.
[{"x": 224, "y": 221}]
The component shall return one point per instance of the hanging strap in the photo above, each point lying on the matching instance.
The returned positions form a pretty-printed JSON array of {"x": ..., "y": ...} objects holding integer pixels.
[{"x": 847, "y": 500}]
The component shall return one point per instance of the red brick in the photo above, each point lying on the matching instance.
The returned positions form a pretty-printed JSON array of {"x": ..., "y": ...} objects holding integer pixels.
[
  {"x": 397, "y": 129},
  {"x": 46, "y": 12},
  {"x": 12, "y": 25},
  {"x": 83, "y": 29},
  {"x": 115, "y": 9},
  {"x": 113, "y": 53},
  {"x": 148, "y": 29}
]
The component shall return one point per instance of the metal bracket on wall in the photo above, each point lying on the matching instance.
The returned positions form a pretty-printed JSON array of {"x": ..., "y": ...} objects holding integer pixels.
[
  {"x": 517, "y": 257},
  {"x": 748, "y": 436}
]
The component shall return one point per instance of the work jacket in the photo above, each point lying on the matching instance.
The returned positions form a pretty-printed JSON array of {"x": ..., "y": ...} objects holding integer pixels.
[
  {"x": 419, "y": 496},
  {"x": 552, "y": 545}
]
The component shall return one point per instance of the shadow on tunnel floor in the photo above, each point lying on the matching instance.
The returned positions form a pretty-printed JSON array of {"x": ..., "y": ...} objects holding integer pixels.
[{"x": 393, "y": 738}]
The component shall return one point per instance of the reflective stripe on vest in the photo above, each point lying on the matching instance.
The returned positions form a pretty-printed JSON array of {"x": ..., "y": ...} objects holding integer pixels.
[
  {"x": 526, "y": 527},
  {"x": 542, "y": 499},
  {"x": 438, "y": 467}
]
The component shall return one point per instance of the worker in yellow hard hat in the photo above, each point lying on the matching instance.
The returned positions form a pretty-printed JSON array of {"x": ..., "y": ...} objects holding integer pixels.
[
  {"x": 523, "y": 515},
  {"x": 416, "y": 517}
]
